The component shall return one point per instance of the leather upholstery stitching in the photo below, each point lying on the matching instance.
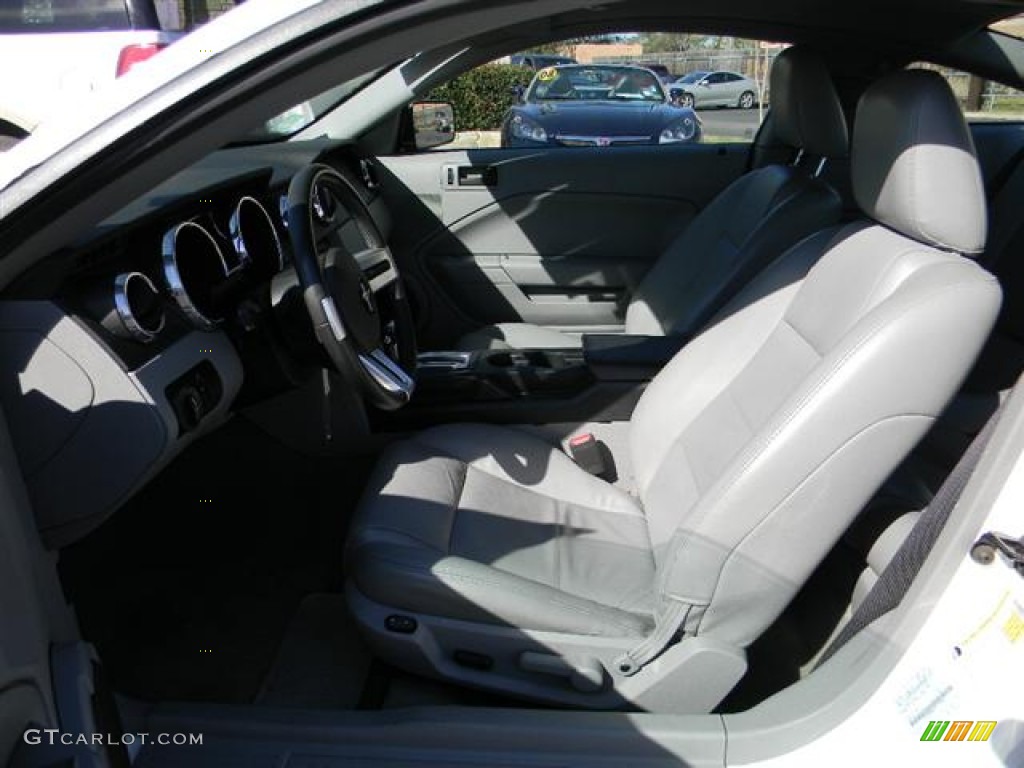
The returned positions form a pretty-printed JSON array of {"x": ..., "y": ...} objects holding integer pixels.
[
  {"x": 869, "y": 334},
  {"x": 796, "y": 489}
]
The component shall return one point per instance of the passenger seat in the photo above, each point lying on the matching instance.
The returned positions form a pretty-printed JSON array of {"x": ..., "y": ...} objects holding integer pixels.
[{"x": 747, "y": 226}]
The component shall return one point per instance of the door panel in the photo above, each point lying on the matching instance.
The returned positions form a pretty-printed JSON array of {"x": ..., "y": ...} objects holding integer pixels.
[
  {"x": 558, "y": 237},
  {"x": 718, "y": 90}
]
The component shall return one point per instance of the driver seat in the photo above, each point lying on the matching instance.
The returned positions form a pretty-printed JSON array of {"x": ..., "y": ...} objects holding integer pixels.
[{"x": 485, "y": 555}]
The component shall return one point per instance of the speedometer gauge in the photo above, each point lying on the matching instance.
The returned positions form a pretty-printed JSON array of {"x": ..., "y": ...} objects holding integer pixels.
[{"x": 193, "y": 266}]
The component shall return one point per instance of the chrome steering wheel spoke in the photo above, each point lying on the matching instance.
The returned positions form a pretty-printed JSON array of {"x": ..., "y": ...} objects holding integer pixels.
[{"x": 388, "y": 374}]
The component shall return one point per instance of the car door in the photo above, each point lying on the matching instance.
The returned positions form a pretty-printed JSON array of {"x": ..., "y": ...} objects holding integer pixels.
[
  {"x": 731, "y": 89},
  {"x": 718, "y": 89},
  {"x": 558, "y": 237}
]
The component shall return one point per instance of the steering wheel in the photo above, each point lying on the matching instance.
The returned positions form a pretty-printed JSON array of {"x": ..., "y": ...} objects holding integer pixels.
[{"x": 351, "y": 287}]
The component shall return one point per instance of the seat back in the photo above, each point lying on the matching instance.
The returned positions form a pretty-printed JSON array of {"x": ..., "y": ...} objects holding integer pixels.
[
  {"x": 757, "y": 217},
  {"x": 758, "y": 444}
]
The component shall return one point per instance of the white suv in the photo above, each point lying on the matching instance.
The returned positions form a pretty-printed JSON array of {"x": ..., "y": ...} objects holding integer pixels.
[{"x": 54, "y": 51}]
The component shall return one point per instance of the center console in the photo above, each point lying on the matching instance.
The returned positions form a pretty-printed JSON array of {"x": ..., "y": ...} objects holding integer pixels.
[
  {"x": 495, "y": 375},
  {"x": 600, "y": 382}
]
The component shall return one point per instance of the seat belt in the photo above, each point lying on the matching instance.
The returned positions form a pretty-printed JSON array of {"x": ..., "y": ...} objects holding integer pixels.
[
  {"x": 897, "y": 577},
  {"x": 667, "y": 628}
]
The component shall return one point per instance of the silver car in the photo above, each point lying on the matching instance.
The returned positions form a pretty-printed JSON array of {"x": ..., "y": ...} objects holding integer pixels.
[{"x": 715, "y": 89}]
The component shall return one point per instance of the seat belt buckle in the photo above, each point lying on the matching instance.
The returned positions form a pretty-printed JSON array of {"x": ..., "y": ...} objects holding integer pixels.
[{"x": 592, "y": 456}]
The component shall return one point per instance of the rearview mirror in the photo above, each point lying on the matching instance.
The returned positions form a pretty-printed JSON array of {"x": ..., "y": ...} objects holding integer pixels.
[{"x": 433, "y": 123}]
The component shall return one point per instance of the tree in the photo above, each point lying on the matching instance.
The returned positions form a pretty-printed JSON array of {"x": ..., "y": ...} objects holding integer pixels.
[{"x": 667, "y": 42}]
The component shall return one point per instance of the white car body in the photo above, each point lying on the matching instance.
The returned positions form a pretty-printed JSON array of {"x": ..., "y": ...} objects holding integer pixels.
[
  {"x": 975, "y": 613},
  {"x": 720, "y": 88},
  {"x": 52, "y": 71}
]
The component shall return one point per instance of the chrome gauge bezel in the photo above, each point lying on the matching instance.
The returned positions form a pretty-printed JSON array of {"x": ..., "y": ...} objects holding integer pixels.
[
  {"x": 172, "y": 274},
  {"x": 130, "y": 319},
  {"x": 238, "y": 236}
]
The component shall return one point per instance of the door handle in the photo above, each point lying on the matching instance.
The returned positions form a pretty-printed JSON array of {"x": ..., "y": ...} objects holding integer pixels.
[{"x": 470, "y": 176}]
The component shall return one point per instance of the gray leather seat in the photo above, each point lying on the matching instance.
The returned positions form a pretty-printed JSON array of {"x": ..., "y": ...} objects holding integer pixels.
[
  {"x": 484, "y": 555},
  {"x": 753, "y": 221}
]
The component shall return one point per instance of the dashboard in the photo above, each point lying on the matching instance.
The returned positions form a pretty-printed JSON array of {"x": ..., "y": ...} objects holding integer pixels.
[{"x": 123, "y": 349}]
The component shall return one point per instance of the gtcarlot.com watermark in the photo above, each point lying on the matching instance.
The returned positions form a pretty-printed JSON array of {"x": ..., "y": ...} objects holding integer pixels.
[{"x": 54, "y": 736}]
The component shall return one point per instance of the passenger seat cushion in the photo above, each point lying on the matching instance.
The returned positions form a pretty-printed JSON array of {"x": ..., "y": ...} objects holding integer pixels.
[
  {"x": 518, "y": 336},
  {"x": 514, "y": 534}
]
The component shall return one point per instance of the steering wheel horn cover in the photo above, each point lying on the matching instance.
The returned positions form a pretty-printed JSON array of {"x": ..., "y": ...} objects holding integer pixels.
[{"x": 342, "y": 290}]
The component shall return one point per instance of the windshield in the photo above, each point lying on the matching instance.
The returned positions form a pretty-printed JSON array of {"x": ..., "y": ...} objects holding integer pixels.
[
  {"x": 693, "y": 77},
  {"x": 1013, "y": 26},
  {"x": 595, "y": 83}
]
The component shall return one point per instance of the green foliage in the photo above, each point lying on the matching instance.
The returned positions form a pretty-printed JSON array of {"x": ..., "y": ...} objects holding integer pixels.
[{"x": 483, "y": 95}]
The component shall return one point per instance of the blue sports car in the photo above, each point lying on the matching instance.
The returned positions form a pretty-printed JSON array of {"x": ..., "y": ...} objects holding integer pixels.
[{"x": 585, "y": 105}]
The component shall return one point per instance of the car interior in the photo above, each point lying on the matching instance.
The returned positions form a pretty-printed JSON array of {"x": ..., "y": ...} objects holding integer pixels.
[{"x": 327, "y": 423}]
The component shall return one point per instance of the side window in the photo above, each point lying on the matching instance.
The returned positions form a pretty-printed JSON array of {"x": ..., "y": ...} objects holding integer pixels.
[
  {"x": 580, "y": 93},
  {"x": 981, "y": 100}
]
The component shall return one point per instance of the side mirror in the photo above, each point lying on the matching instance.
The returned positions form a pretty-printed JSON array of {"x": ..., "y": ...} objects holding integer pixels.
[
  {"x": 675, "y": 94},
  {"x": 433, "y": 123},
  {"x": 518, "y": 93},
  {"x": 704, "y": 84}
]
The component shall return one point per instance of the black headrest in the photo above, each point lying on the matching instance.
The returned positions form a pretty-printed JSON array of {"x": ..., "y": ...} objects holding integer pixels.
[{"x": 806, "y": 111}]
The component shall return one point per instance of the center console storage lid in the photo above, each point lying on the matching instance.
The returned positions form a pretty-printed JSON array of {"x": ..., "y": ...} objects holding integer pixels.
[{"x": 620, "y": 357}]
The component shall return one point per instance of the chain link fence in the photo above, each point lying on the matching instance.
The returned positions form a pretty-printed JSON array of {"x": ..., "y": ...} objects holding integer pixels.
[
  {"x": 748, "y": 62},
  {"x": 979, "y": 98}
]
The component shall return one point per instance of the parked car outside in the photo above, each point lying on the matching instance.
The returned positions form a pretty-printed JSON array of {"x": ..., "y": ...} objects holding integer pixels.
[
  {"x": 51, "y": 53},
  {"x": 537, "y": 61},
  {"x": 715, "y": 89},
  {"x": 660, "y": 70},
  {"x": 597, "y": 106}
]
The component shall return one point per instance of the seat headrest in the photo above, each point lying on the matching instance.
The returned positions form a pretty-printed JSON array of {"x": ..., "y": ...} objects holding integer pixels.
[
  {"x": 806, "y": 111},
  {"x": 913, "y": 162}
]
